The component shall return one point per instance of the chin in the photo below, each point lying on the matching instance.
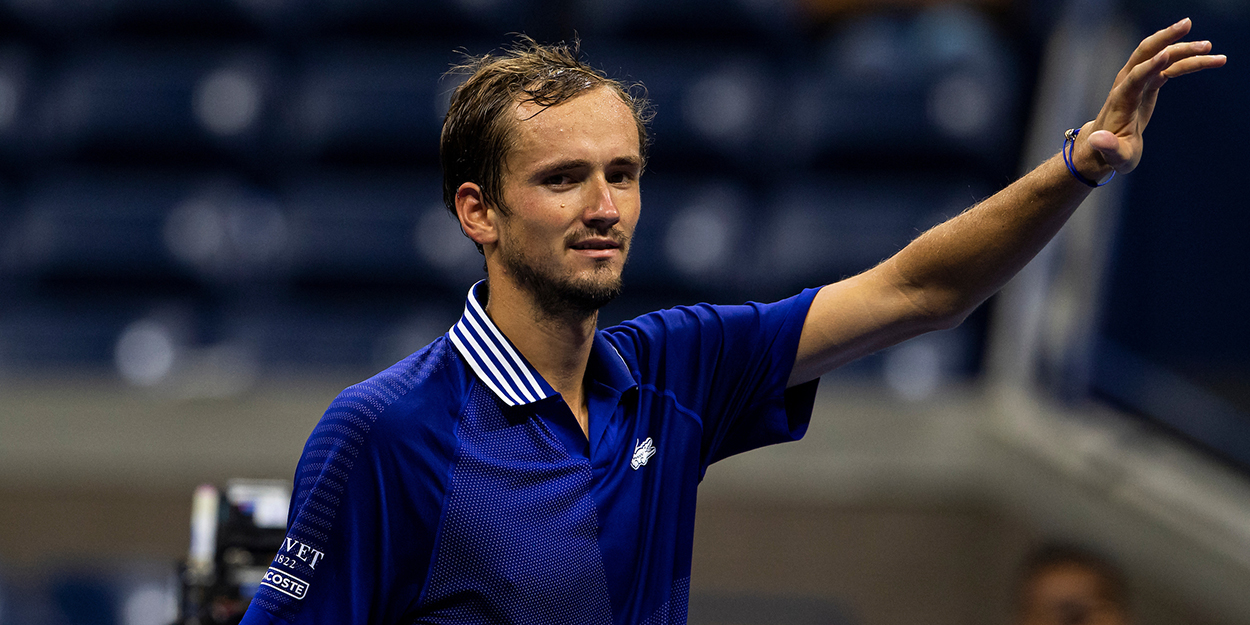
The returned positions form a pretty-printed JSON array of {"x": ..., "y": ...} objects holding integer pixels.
[
  {"x": 594, "y": 292},
  {"x": 576, "y": 293}
]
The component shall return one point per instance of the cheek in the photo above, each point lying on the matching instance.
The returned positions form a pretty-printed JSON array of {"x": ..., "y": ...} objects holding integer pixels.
[
  {"x": 631, "y": 220},
  {"x": 630, "y": 206},
  {"x": 535, "y": 236}
]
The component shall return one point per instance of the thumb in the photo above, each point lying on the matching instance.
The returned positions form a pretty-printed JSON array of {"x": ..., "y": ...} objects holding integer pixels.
[{"x": 1112, "y": 149}]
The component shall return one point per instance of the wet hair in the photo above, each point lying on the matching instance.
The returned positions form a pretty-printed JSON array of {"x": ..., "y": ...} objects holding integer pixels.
[
  {"x": 1050, "y": 556},
  {"x": 478, "y": 132}
]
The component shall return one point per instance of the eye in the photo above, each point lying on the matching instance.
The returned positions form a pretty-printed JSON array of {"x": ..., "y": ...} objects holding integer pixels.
[
  {"x": 558, "y": 180},
  {"x": 620, "y": 177}
]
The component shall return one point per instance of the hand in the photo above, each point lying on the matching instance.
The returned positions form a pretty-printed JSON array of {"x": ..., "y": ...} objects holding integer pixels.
[{"x": 1115, "y": 136}]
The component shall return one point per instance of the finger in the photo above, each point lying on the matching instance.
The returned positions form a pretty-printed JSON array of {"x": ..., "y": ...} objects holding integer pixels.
[
  {"x": 1152, "y": 45},
  {"x": 1186, "y": 49},
  {"x": 1195, "y": 64},
  {"x": 1145, "y": 76},
  {"x": 1183, "y": 58}
]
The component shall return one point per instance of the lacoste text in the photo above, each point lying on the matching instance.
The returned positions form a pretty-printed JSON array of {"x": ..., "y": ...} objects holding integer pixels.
[{"x": 285, "y": 583}]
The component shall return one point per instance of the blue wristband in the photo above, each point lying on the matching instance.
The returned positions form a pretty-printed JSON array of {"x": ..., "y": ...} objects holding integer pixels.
[{"x": 1069, "y": 146}]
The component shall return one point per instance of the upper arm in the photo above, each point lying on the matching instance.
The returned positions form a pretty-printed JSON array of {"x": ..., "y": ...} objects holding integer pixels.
[
  {"x": 858, "y": 316},
  {"x": 727, "y": 366},
  {"x": 364, "y": 512}
]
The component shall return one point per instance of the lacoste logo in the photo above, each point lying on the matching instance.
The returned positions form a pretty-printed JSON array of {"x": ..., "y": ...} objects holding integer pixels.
[
  {"x": 642, "y": 453},
  {"x": 285, "y": 583}
]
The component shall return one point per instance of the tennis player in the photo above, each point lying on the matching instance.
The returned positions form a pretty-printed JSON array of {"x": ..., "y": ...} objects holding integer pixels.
[{"x": 527, "y": 467}]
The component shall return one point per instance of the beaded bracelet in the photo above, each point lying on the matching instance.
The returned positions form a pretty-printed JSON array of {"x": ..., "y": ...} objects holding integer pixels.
[{"x": 1069, "y": 146}]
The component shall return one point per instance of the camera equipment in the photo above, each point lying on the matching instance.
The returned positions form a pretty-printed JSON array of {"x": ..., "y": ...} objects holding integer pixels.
[{"x": 234, "y": 536}]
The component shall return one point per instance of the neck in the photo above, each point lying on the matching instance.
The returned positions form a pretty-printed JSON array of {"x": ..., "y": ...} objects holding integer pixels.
[{"x": 556, "y": 343}]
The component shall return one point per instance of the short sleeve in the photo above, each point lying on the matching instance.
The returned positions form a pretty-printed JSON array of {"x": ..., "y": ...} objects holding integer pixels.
[
  {"x": 355, "y": 551},
  {"x": 728, "y": 365}
]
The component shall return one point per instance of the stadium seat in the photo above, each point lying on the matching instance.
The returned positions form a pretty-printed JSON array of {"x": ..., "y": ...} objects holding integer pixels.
[
  {"x": 132, "y": 103},
  {"x": 370, "y": 103},
  {"x": 903, "y": 89},
  {"x": 376, "y": 228},
  {"x": 692, "y": 235},
  {"x": 713, "y": 106},
  {"x": 18, "y": 92},
  {"x": 74, "y": 19},
  {"x": 756, "y": 21},
  {"x": 468, "y": 17},
  {"x": 822, "y": 228},
  {"x": 94, "y": 224}
]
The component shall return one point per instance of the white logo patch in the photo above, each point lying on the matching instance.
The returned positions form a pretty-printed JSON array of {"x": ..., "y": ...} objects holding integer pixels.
[
  {"x": 642, "y": 453},
  {"x": 285, "y": 583}
]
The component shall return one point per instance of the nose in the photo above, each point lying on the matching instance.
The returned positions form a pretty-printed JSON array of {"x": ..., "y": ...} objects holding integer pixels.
[{"x": 601, "y": 212}]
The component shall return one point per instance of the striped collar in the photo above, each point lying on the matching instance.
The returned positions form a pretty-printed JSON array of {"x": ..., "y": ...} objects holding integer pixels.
[
  {"x": 508, "y": 374},
  {"x": 493, "y": 358}
]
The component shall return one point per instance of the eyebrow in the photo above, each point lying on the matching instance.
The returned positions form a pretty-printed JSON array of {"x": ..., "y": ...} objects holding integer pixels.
[{"x": 620, "y": 161}]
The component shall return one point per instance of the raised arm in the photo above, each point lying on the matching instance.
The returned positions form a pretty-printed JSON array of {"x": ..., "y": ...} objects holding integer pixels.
[{"x": 939, "y": 278}]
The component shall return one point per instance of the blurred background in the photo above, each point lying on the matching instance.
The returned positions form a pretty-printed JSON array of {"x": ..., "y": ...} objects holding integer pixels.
[{"x": 215, "y": 214}]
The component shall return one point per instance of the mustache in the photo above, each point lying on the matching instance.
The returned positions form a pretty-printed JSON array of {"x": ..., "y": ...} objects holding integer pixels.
[{"x": 616, "y": 235}]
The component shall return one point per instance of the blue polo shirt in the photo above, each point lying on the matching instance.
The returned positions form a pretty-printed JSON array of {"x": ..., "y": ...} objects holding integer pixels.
[{"x": 457, "y": 487}]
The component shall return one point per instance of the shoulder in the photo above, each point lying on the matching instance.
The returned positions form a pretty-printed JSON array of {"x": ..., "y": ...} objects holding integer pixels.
[
  {"x": 703, "y": 316},
  {"x": 659, "y": 325},
  {"x": 659, "y": 344},
  {"x": 688, "y": 336},
  {"x": 428, "y": 383},
  {"x": 405, "y": 416},
  {"x": 703, "y": 321}
]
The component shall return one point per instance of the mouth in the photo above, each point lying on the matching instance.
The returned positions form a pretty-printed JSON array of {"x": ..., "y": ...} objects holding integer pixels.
[
  {"x": 596, "y": 244},
  {"x": 597, "y": 247}
]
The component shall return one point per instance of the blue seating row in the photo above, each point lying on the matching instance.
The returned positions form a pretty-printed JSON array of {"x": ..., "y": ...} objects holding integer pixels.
[
  {"x": 299, "y": 18},
  {"x": 927, "y": 87},
  {"x": 387, "y": 227},
  {"x": 261, "y": 175}
]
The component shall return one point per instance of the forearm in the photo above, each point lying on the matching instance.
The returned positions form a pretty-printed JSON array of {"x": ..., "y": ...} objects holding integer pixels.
[
  {"x": 943, "y": 275},
  {"x": 955, "y": 266},
  {"x": 948, "y": 271}
]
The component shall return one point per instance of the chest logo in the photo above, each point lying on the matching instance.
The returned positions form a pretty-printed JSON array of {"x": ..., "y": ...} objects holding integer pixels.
[{"x": 642, "y": 453}]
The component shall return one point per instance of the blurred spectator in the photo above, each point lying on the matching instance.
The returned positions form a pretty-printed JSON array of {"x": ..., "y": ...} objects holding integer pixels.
[{"x": 1069, "y": 585}]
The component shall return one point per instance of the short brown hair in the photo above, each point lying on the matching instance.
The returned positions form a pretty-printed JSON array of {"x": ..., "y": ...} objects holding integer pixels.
[{"x": 477, "y": 132}]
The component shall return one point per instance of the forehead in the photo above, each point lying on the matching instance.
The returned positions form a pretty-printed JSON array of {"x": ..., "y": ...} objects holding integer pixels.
[{"x": 594, "y": 125}]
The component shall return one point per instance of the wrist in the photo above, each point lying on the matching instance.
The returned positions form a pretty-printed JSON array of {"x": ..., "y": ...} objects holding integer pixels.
[
  {"x": 1080, "y": 158},
  {"x": 1086, "y": 160}
]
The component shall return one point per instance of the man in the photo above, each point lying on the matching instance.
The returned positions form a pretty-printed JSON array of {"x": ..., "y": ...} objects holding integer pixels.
[
  {"x": 1067, "y": 585},
  {"x": 529, "y": 468}
]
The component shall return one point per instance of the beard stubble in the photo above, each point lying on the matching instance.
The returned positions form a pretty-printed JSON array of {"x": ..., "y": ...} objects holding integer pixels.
[{"x": 561, "y": 296}]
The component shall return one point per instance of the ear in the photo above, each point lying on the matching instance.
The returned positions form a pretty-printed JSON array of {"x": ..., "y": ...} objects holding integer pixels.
[{"x": 476, "y": 217}]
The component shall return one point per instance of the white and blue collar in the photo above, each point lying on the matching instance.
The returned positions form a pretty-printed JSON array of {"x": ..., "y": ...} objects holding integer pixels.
[
  {"x": 493, "y": 358},
  {"x": 503, "y": 369}
]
